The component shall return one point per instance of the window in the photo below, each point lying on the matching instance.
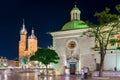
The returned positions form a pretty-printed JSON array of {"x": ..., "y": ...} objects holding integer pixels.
[{"x": 112, "y": 44}]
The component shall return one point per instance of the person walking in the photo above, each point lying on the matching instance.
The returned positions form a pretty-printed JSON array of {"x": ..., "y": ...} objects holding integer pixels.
[
  {"x": 82, "y": 74},
  {"x": 86, "y": 70}
]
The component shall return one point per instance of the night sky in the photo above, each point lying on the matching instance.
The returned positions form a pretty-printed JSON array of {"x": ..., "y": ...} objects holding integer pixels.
[{"x": 45, "y": 16}]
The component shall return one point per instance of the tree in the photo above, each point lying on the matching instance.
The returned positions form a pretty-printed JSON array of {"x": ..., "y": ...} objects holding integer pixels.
[
  {"x": 25, "y": 60},
  {"x": 108, "y": 24},
  {"x": 117, "y": 7},
  {"x": 45, "y": 56}
]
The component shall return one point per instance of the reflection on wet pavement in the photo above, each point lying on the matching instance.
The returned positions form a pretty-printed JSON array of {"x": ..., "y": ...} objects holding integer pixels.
[{"x": 34, "y": 76}]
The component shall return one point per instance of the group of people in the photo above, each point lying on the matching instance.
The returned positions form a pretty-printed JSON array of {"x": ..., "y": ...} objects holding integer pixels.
[{"x": 84, "y": 72}]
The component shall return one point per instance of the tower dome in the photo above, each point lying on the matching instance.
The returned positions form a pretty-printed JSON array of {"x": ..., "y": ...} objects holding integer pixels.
[
  {"x": 75, "y": 22},
  {"x": 32, "y": 36},
  {"x": 75, "y": 13}
]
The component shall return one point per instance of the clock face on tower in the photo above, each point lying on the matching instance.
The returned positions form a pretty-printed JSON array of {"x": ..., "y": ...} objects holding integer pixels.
[{"x": 72, "y": 44}]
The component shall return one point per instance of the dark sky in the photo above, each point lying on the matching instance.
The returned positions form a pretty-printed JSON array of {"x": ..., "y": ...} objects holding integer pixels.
[{"x": 44, "y": 15}]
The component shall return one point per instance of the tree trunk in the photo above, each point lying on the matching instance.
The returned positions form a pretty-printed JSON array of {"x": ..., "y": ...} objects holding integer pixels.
[
  {"x": 101, "y": 64},
  {"x": 46, "y": 70},
  {"x": 101, "y": 69}
]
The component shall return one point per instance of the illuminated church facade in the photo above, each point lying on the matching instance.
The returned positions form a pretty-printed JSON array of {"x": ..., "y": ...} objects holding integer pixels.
[
  {"x": 73, "y": 48},
  {"x": 76, "y": 50},
  {"x": 27, "y": 45}
]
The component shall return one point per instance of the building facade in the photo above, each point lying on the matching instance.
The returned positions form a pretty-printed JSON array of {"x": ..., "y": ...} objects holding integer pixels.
[
  {"x": 3, "y": 61},
  {"x": 27, "y": 45},
  {"x": 13, "y": 63},
  {"x": 74, "y": 49}
]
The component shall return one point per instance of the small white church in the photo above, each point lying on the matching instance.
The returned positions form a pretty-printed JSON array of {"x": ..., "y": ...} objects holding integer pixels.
[{"x": 75, "y": 50}]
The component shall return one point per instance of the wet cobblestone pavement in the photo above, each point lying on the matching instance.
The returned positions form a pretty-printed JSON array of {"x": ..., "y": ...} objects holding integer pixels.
[{"x": 33, "y": 76}]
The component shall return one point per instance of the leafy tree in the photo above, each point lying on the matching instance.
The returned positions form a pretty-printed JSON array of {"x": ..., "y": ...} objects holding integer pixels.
[
  {"x": 45, "y": 56},
  {"x": 25, "y": 60},
  {"x": 118, "y": 8},
  {"x": 108, "y": 24}
]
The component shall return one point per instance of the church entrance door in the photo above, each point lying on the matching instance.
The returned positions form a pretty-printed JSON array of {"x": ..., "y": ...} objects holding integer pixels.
[{"x": 72, "y": 68}]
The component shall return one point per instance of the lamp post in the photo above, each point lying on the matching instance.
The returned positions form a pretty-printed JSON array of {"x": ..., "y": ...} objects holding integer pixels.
[{"x": 116, "y": 61}]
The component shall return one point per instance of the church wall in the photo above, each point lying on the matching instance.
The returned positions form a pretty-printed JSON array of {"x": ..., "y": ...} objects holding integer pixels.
[
  {"x": 59, "y": 48},
  {"x": 109, "y": 63},
  {"x": 82, "y": 52},
  {"x": 87, "y": 59},
  {"x": 112, "y": 59},
  {"x": 75, "y": 52},
  {"x": 32, "y": 46}
]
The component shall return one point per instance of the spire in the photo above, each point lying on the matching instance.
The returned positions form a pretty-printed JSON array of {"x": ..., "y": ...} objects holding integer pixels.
[
  {"x": 75, "y": 13},
  {"x": 32, "y": 34},
  {"x": 75, "y": 5},
  {"x": 33, "y": 31},
  {"x": 23, "y": 24},
  {"x": 23, "y": 30}
]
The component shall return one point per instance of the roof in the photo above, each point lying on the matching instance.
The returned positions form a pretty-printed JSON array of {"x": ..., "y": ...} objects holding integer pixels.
[
  {"x": 75, "y": 8},
  {"x": 75, "y": 24}
]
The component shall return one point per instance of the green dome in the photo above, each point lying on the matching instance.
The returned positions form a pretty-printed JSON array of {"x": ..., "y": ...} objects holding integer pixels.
[{"x": 75, "y": 24}]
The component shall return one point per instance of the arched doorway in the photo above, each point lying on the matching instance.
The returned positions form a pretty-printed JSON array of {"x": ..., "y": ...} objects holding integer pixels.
[
  {"x": 72, "y": 65},
  {"x": 72, "y": 68}
]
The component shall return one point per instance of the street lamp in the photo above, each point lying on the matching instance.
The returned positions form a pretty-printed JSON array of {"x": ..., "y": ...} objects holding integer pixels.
[{"x": 116, "y": 61}]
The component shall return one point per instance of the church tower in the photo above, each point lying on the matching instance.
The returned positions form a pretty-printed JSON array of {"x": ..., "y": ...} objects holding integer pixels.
[
  {"x": 27, "y": 45},
  {"x": 75, "y": 13},
  {"x": 22, "y": 42},
  {"x": 32, "y": 43}
]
